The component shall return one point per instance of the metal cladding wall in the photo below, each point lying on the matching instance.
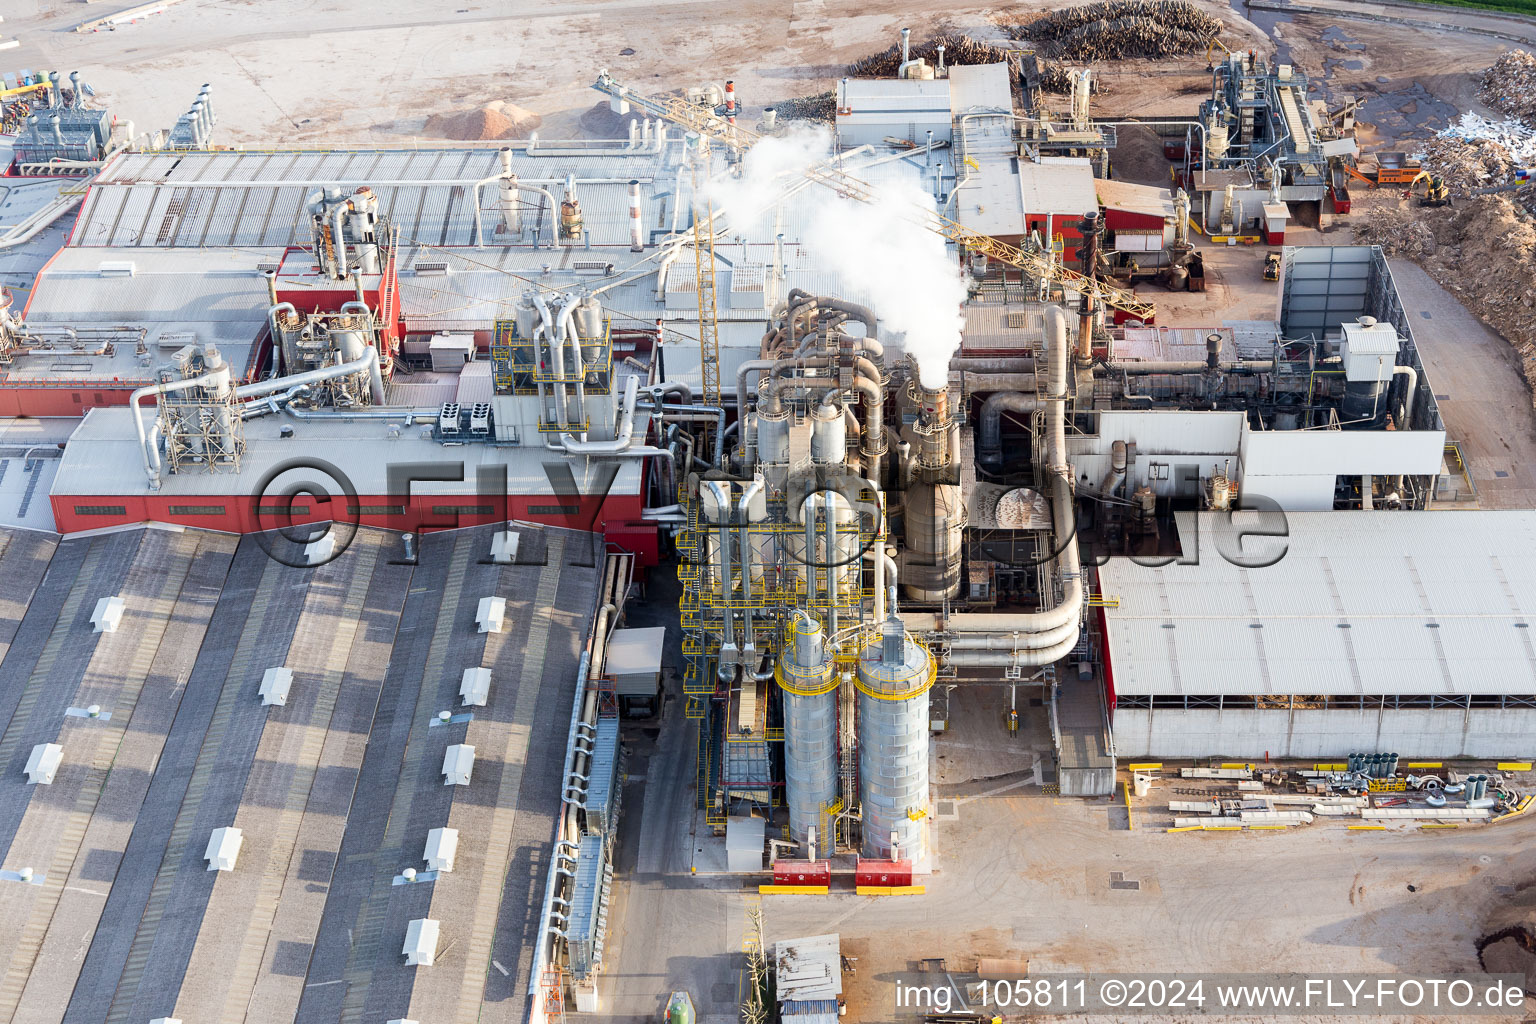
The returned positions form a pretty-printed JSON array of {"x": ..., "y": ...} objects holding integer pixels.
[
  {"x": 67, "y": 398},
  {"x": 810, "y": 761},
  {"x": 1127, "y": 220},
  {"x": 1323, "y": 733},
  {"x": 893, "y": 750},
  {"x": 619, "y": 516}
]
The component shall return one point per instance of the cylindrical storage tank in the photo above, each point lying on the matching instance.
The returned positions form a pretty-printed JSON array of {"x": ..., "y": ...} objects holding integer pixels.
[
  {"x": 773, "y": 438},
  {"x": 589, "y": 317},
  {"x": 893, "y": 679},
  {"x": 1364, "y": 404},
  {"x": 809, "y": 688},
  {"x": 527, "y": 319},
  {"x": 829, "y": 436},
  {"x": 935, "y": 521}
]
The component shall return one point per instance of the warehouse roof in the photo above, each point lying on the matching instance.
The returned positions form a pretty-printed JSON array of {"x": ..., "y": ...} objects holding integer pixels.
[
  {"x": 1061, "y": 186},
  {"x": 1151, "y": 200},
  {"x": 1355, "y": 602},
  {"x": 979, "y": 87},
  {"x": 103, "y": 458},
  {"x": 335, "y": 792}
]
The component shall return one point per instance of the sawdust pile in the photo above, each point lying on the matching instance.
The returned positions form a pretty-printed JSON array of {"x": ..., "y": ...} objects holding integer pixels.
[
  {"x": 1483, "y": 249},
  {"x": 498, "y": 120},
  {"x": 1510, "y": 85},
  {"x": 958, "y": 49},
  {"x": 1118, "y": 29}
]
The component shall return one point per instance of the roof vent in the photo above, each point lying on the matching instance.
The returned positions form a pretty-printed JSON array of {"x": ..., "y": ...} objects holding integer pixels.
[
  {"x": 504, "y": 547},
  {"x": 491, "y": 613},
  {"x": 458, "y": 764},
  {"x": 475, "y": 689},
  {"x": 223, "y": 848},
  {"x": 421, "y": 942},
  {"x": 115, "y": 268},
  {"x": 43, "y": 763},
  {"x": 108, "y": 613},
  {"x": 431, "y": 268},
  {"x": 442, "y": 844},
  {"x": 1367, "y": 321},
  {"x": 166, "y": 1020},
  {"x": 321, "y": 550},
  {"x": 274, "y": 686}
]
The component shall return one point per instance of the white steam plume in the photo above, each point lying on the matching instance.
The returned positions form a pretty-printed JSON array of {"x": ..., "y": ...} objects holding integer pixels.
[{"x": 881, "y": 253}]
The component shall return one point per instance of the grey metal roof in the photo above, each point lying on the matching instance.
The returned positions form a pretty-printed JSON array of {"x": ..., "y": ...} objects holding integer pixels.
[
  {"x": 336, "y": 791},
  {"x": 1438, "y": 602},
  {"x": 103, "y": 458},
  {"x": 635, "y": 651}
]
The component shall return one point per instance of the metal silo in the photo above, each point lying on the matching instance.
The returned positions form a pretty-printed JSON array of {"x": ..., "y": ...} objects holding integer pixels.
[
  {"x": 810, "y": 730},
  {"x": 895, "y": 674}
]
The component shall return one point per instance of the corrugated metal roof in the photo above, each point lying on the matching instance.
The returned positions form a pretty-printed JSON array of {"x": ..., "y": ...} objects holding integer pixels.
[
  {"x": 1437, "y": 602},
  {"x": 809, "y": 968},
  {"x": 1061, "y": 187},
  {"x": 979, "y": 87},
  {"x": 103, "y": 458},
  {"x": 1152, "y": 200}
]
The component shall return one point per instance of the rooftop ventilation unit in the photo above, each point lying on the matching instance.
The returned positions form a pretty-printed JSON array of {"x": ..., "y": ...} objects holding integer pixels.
[
  {"x": 448, "y": 419},
  {"x": 458, "y": 764},
  {"x": 480, "y": 419},
  {"x": 421, "y": 942},
  {"x": 476, "y": 686},
  {"x": 504, "y": 547},
  {"x": 397, "y": 1020},
  {"x": 274, "y": 686},
  {"x": 166, "y": 1020},
  {"x": 430, "y": 268},
  {"x": 442, "y": 844},
  {"x": 223, "y": 848},
  {"x": 43, "y": 763},
  {"x": 108, "y": 613},
  {"x": 320, "y": 550},
  {"x": 491, "y": 614},
  {"x": 115, "y": 268}
]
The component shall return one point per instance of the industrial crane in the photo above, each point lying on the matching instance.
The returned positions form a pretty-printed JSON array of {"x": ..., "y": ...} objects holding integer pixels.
[{"x": 707, "y": 124}]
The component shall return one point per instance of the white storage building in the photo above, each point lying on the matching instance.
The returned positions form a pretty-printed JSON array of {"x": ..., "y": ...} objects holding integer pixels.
[{"x": 1406, "y": 632}]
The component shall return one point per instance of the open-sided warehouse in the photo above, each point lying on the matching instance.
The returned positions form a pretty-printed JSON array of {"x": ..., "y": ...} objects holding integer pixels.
[{"x": 1352, "y": 631}]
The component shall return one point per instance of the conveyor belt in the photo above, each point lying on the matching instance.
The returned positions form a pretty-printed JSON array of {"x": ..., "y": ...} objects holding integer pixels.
[{"x": 1298, "y": 128}]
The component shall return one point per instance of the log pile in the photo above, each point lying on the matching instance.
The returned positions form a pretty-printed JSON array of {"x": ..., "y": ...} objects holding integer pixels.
[
  {"x": 958, "y": 49},
  {"x": 1118, "y": 29}
]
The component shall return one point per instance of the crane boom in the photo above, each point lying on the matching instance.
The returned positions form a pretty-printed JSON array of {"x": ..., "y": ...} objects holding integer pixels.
[{"x": 708, "y": 124}]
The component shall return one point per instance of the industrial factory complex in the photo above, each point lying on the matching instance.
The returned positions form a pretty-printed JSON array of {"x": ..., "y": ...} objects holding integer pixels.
[{"x": 438, "y": 581}]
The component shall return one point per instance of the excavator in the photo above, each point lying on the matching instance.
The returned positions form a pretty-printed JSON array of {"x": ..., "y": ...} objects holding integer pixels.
[
  {"x": 1437, "y": 193},
  {"x": 1434, "y": 193}
]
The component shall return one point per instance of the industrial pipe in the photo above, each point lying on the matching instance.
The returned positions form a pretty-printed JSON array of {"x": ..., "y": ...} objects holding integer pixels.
[
  {"x": 990, "y": 447},
  {"x": 1187, "y": 366},
  {"x": 728, "y": 650}
]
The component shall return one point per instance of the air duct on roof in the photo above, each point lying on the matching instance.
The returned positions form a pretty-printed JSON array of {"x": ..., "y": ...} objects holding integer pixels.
[
  {"x": 223, "y": 848},
  {"x": 274, "y": 686},
  {"x": 43, "y": 763},
  {"x": 421, "y": 942}
]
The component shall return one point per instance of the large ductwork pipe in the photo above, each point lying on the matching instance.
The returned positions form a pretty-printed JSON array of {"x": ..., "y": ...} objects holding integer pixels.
[
  {"x": 1043, "y": 637},
  {"x": 729, "y": 654},
  {"x": 990, "y": 446},
  {"x": 1117, "y": 465}
]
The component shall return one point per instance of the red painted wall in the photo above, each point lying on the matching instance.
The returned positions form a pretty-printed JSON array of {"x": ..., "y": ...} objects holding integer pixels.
[
  {"x": 618, "y": 516},
  {"x": 1125, "y": 220}
]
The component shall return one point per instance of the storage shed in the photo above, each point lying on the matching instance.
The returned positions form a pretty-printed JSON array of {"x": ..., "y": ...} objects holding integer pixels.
[{"x": 634, "y": 664}]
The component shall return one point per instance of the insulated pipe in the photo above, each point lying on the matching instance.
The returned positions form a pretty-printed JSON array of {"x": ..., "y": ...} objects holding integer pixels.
[
  {"x": 873, "y": 442},
  {"x": 340, "y": 240},
  {"x": 1409, "y": 394},
  {"x": 1060, "y": 620},
  {"x": 742, "y": 371},
  {"x": 272, "y": 314},
  {"x": 885, "y": 577},
  {"x": 367, "y": 361},
  {"x": 549, "y": 337},
  {"x": 744, "y": 557},
  {"x": 622, "y": 437},
  {"x": 517, "y": 186},
  {"x": 722, "y": 494},
  {"x": 1117, "y": 464},
  {"x": 1187, "y": 366},
  {"x": 991, "y": 444},
  {"x": 572, "y": 354},
  {"x": 152, "y": 456},
  {"x": 829, "y": 528},
  {"x": 808, "y": 511}
]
